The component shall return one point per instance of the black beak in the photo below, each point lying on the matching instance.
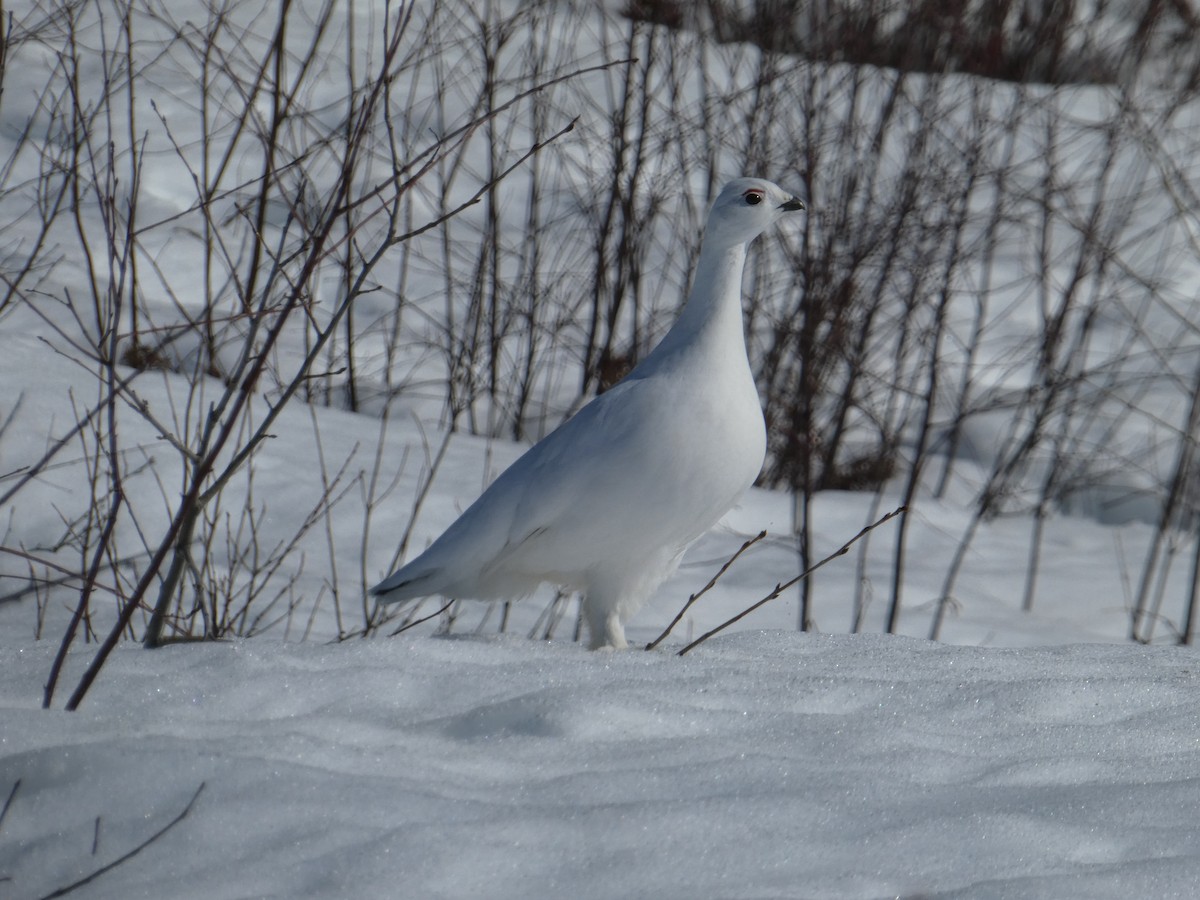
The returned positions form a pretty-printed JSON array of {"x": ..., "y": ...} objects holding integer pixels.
[{"x": 792, "y": 205}]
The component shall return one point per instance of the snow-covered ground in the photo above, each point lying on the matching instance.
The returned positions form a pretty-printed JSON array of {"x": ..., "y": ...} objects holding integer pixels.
[
  {"x": 1031, "y": 755},
  {"x": 766, "y": 764}
]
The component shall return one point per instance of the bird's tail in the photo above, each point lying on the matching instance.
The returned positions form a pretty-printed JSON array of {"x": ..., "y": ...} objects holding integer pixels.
[{"x": 402, "y": 585}]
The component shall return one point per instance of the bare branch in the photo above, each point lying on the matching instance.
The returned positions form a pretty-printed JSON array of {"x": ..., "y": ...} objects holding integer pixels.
[
  {"x": 780, "y": 588},
  {"x": 704, "y": 590},
  {"x": 124, "y": 858}
]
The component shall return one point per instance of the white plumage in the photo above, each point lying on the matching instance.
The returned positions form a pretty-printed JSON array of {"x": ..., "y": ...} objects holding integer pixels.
[{"x": 609, "y": 501}]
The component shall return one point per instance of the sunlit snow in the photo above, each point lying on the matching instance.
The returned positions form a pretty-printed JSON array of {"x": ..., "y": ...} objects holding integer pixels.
[{"x": 1030, "y": 754}]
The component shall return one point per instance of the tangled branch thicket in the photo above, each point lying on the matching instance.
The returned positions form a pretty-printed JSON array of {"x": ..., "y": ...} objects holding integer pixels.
[{"x": 491, "y": 209}]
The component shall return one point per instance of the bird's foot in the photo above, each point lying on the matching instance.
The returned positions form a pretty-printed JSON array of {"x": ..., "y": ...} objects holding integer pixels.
[{"x": 609, "y": 636}]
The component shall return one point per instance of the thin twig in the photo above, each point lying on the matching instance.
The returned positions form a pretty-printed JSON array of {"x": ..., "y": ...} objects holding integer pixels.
[
  {"x": 89, "y": 584},
  {"x": 8, "y": 802},
  {"x": 132, "y": 853},
  {"x": 704, "y": 590},
  {"x": 68, "y": 574},
  {"x": 780, "y": 588},
  {"x": 416, "y": 622},
  {"x": 478, "y": 195}
]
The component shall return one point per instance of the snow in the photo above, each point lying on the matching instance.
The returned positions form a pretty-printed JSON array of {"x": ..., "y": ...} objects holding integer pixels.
[
  {"x": 1032, "y": 754},
  {"x": 763, "y": 764}
]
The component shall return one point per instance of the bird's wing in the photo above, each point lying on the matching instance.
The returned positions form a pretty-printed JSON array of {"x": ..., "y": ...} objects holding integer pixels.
[
  {"x": 575, "y": 462},
  {"x": 563, "y": 477}
]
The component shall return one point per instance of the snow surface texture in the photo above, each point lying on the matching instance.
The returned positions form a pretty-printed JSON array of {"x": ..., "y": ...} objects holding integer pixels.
[
  {"x": 762, "y": 765},
  {"x": 609, "y": 502},
  {"x": 768, "y": 765}
]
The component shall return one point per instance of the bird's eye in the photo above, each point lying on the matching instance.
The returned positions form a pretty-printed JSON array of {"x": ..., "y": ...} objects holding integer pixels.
[{"x": 753, "y": 197}]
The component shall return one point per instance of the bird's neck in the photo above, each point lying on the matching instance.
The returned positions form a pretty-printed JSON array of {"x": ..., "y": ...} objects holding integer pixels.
[{"x": 712, "y": 317}]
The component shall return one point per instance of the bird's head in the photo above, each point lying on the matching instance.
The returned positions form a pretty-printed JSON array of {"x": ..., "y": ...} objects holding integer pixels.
[{"x": 745, "y": 208}]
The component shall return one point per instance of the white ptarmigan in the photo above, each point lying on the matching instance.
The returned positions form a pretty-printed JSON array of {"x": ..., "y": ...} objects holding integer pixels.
[{"x": 608, "y": 502}]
